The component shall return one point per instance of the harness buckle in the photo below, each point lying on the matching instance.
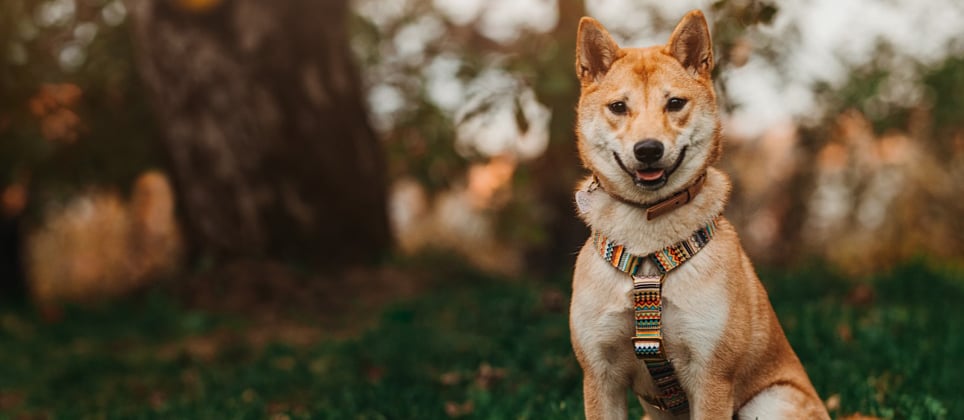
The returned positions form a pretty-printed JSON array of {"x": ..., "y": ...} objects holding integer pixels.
[{"x": 649, "y": 349}]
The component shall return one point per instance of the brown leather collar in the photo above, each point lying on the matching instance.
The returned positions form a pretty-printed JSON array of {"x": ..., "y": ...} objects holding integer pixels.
[{"x": 666, "y": 205}]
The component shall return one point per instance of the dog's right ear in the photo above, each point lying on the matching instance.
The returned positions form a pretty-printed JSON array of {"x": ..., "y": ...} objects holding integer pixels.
[{"x": 595, "y": 50}]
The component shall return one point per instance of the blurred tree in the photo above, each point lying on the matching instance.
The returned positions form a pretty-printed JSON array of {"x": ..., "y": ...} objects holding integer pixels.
[
  {"x": 12, "y": 285},
  {"x": 557, "y": 171},
  {"x": 261, "y": 112},
  {"x": 70, "y": 105},
  {"x": 434, "y": 134}
]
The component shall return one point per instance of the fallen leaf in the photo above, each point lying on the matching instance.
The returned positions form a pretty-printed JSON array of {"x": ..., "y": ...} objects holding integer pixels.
[
  {"x": 858, "y": 416},
  {"x": 833, "y": 403},
  {"x": 488, "y": 375},
  {"x": 450, "y": 378},
  {"x": 553, "y": 300},
  {"x": 454, "y": 409},
  {"x": 861, "y": 295},
  {"x": 845, "y": 333},
  {"x": 374, "y": 373}
]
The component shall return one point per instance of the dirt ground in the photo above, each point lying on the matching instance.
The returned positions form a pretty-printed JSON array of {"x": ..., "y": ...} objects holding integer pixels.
[{"x": 283, "y": 304}]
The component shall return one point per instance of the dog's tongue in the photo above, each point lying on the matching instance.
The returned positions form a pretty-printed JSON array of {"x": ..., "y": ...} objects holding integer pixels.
[{"x": 650, "y": 175}]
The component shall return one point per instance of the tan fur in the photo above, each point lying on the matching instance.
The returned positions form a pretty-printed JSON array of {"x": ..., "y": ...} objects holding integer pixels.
[{"x": 730, "y": 353}]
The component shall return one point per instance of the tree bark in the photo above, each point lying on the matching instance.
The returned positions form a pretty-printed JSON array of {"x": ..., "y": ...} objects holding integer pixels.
[
  {"x": 261, "y": 112},
  {"x": 558, "y": 170},
  {"x": 12, "y": 284}
]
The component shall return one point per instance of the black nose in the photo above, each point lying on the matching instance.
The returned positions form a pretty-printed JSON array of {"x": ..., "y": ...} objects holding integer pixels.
[{"x": 648, "y": 151}]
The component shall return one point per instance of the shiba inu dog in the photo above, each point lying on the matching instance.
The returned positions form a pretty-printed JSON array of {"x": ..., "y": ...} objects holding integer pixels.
[{"x": 662, "y": 260}]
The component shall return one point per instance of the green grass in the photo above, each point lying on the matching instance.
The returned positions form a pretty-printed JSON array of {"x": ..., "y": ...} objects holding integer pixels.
[{"x": 495, "y": 348}]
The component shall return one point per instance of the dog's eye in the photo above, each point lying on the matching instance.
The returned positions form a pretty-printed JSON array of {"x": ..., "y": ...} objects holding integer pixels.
[
  {"x": 675, "y": 104},
  {"x": 618, "y": 107}
]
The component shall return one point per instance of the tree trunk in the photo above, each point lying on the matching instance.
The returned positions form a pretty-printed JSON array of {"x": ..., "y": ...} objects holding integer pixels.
[
  {"x": 558, "y": 170},
  {"x": 261, "y": 113},
  {"x": 12, "y": 285}
]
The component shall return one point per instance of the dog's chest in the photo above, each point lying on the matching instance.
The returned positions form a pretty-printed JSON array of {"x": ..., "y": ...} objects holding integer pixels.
[
  {"x": 695, "y": 312},
  {"x": 694, "y": 316}
]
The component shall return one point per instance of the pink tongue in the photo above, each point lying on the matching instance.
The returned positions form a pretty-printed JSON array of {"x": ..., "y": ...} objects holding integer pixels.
[{"x": 650, "y": 175}]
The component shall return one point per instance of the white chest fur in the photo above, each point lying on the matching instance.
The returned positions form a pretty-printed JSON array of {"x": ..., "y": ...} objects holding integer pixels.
[
  {"x": 695, "y": 301},
  {"x": 694, "y": 315}
]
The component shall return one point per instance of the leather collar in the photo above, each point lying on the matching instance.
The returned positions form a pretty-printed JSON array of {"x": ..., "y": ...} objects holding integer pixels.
[{"x": 666, "y": 205}]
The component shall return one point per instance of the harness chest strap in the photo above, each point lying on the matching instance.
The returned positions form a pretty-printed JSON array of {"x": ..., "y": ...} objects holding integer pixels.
[{"x": 648, "y": 307}]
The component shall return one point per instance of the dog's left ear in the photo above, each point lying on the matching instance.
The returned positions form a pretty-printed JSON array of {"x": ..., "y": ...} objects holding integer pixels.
[{"x": 691, "y": 45}]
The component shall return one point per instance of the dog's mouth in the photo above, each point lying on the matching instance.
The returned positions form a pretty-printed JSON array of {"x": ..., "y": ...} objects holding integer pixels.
[{"x": 651, "y": 177}]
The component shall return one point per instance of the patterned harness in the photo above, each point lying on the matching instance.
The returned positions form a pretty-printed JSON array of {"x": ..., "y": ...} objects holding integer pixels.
[{"x": 648, "y": 307}]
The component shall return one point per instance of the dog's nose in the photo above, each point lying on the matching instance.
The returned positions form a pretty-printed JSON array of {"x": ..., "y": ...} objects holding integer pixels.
[{"x": 648, "y": 151}]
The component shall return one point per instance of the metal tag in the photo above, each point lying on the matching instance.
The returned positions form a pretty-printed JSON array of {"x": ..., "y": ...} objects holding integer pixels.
[{"x": 583, "y": 201}]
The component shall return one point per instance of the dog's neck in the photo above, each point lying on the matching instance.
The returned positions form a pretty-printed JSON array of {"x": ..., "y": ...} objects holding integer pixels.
[
  {"x": 628, "y": 222},
  {"x": 666, "y": 205}
]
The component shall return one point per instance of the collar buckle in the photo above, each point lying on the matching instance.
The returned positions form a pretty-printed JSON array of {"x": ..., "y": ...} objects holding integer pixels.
[{"x": 677, "y": 200}]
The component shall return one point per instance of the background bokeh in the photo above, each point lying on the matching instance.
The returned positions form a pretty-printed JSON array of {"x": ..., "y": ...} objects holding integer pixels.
[{"x": 306, "y": 165}]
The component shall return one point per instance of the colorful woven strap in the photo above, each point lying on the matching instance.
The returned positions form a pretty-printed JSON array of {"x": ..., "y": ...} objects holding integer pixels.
[
  {"x": 648, "y": 308},
  {"x": 648, "y": 343},
  {"x": 665, "y": 259}
]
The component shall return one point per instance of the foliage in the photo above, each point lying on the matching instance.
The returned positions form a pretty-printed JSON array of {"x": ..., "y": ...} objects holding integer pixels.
[
  {"x": 429, "y": 75},
  {"x": 72, "y": 113},
  {"x": 487, "y": 348},
  {"x": 947, "y": 100},
  {"x": 942, "y": 100}
]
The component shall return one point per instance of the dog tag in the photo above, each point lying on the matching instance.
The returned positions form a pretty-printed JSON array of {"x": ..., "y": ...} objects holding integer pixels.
[{"x": 583, "y": 200}]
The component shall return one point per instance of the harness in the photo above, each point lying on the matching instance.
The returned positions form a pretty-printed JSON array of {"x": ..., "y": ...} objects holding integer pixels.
[
  {"x": 648, "y": 308},
  {"x": 648, "y": 297}
]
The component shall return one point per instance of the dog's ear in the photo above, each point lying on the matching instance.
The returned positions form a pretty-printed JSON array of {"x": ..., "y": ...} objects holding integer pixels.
[
  {"x": 595, "y": 50},
  {"x": 691, "y": 45}
]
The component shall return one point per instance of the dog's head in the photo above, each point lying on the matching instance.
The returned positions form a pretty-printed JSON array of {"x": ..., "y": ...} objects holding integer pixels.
[{"x": 647, "y": 118}]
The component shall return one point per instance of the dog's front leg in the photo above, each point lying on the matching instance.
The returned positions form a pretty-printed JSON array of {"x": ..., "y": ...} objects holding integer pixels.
[
  {"x": 605, "y": 398},
  {"x": 713, "y": 401}
]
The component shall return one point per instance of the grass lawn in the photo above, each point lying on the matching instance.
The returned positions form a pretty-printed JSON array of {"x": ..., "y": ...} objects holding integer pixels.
[{"x": 891, "y": 346}]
